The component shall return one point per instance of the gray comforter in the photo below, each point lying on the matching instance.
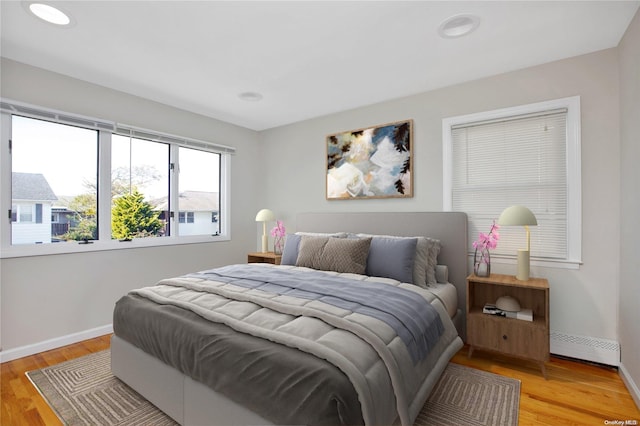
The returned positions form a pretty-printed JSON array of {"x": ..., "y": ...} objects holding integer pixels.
[
  {"x": 281, "y": 384},
  {"x": 383, "y": 374},
  {"x": 412, "y": 318}
]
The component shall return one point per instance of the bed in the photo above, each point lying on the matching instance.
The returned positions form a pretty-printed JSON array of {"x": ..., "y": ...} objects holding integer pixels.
[{"x": 262, "y": 344}]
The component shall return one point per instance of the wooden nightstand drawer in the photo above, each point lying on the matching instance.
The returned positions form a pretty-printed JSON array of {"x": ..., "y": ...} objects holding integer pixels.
[
  {"x": 515, "y": 337},
  {"x": 509, "y": 336}
]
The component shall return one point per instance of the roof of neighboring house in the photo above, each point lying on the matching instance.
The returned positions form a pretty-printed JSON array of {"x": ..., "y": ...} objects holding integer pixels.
[
  {"x": 192, "y": 201},
  {"x": 31, "y": 186}
]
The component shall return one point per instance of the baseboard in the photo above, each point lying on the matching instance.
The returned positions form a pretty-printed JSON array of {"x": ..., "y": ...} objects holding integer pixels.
[
  {"x": 602, "y": 351},
  {"x": 11, "y": 354},
  {"x": 630, "y": 384}
]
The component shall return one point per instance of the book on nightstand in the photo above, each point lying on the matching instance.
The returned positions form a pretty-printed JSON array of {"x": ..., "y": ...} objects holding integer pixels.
[{"x": 523, "y": 314}]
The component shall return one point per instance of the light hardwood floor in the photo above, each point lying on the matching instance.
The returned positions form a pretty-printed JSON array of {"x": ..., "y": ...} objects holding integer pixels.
[{"x": 576, "y": 393}]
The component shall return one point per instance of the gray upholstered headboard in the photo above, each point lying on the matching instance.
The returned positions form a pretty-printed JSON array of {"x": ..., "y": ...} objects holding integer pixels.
[{"x": 449, "y": 227}]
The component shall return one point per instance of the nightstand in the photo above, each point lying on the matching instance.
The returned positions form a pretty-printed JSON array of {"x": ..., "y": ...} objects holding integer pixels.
[
  {"x": 515, "y": 337},
  {"x": 268, "y": 257}
]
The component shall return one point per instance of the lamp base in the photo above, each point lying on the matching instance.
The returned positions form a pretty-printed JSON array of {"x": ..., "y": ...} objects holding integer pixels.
[
  {"x": 523, "y": 265},
  {"x": 265, "y": 243}
]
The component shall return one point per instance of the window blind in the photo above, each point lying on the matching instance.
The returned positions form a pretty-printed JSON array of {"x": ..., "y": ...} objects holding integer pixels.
[{"x": 516, "y": 160}]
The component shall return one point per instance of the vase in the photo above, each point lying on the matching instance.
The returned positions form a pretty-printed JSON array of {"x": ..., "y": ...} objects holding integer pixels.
[
  {"x": 278, "y": 244},
  {"x": 482, "y": 263}
]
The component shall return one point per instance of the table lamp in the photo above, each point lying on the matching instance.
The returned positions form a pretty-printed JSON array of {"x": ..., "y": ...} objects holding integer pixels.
[
  {"x": 264, "y": 216},
  {"x": 520, "y": 216}
]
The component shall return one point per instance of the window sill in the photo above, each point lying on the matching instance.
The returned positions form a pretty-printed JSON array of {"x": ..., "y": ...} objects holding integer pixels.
[
  {"x": 545, "y": 263},
  {"x": 74, "y": 247}
]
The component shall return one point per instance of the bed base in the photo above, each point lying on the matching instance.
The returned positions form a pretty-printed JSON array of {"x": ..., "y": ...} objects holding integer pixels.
[
  {"x": 186, "y": 401},
  {"x": 191, "y": 403}
]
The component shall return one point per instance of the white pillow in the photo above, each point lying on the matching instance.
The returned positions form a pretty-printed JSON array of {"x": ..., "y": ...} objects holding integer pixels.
[
  {"x": 323, "y": 234},
  {"x": 442, "y": 274}
]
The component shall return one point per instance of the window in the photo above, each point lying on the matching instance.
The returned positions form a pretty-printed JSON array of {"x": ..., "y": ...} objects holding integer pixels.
[
  {"x": 52, "y": 164},
  {"x": 71, "y": 179},
  {"x": 139, "y": 185},
  {"x": 186, "y": 217},
  {"x": 199, "y": 189},
  {"x": 527, "y": 155},
  {"x": 25, "y": 213}
]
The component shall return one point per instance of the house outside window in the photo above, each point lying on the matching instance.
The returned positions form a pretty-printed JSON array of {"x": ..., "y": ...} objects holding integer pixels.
[
  {"x": 144, "y": 171},
  {"x": 31, "y": 209},
  {"x": 527, "y": 155}
]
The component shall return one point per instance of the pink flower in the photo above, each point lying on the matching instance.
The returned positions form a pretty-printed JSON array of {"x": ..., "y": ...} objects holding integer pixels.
[
  {"x": 487, "y": 241},
  {"x": 279, "y": 230}
]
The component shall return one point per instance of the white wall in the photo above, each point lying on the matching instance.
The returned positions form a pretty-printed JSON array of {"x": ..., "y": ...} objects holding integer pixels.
[
  {"x": 46, "y": 297},
  {"x": 630, "y": 210},
  {"x": 584, "y": 301}
]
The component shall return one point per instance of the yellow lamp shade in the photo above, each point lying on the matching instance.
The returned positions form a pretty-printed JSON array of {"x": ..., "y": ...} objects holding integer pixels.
[
  {"x": 517, "y": 216},
  {"x": 520, "y": 216},
  {"x": 264, "y": 216}
]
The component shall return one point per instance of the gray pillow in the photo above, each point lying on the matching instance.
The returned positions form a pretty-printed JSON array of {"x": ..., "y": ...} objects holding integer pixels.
[
  {"x": 392, "y": 258},
  {"x": 290, "y": 252},
  {"x": 421, "y": 260},
  {"x": 334, "y": 254}
]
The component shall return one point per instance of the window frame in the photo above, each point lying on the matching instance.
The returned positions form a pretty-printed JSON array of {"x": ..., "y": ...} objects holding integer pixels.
[
  {"x": 574, "y": 174},
  {"x": 105, "y": 130}
]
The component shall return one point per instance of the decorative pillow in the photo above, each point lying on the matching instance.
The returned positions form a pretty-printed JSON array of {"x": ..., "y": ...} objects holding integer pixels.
[
  {"x": 292, "y": 244},
  {"x": 392, "y": 258},
  {"x": 434, "y": 250},
  {"x": 324, "y": 234},
  {"x": 334, "y": 254},
  {"x": 420, "y": 262},
  {"x": 290, "y": 251},
  {"x": 442, "y": 274}
]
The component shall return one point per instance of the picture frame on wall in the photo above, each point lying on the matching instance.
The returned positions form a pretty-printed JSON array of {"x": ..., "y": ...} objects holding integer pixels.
[{"x": 373, "y": 162}]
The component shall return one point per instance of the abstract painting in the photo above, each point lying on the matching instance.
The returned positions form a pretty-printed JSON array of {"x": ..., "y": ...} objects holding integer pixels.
[{"x": 375, "y": 162}]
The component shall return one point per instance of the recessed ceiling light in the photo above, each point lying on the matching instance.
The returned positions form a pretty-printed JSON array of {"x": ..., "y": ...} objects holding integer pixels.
[
  {"x": 50, "y": 14},
  {"x": 458, "y": 26},
  {"x": 250, "y": 96}
]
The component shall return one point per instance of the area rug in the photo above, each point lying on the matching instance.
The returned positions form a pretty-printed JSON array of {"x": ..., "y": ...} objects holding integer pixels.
[{"x": 84, "y": 392}]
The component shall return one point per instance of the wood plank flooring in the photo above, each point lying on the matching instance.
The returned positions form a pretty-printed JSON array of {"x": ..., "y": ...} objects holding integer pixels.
[
  {"x": 576, "y": 393},
  {"x": 21, "y": 402}
]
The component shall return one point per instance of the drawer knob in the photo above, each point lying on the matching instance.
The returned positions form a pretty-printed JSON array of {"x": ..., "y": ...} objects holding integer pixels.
[{"x": 504, "y": 337}]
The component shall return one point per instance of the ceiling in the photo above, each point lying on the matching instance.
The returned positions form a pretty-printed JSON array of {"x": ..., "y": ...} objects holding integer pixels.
[{"x": 306, "y": 59}]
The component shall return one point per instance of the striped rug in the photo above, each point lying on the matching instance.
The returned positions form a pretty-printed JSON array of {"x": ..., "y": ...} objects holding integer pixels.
[{"x": 84, "y": 392}]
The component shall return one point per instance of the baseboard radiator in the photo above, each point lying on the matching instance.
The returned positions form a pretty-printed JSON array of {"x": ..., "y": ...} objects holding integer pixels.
[{"x": 594, "y": 349}]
